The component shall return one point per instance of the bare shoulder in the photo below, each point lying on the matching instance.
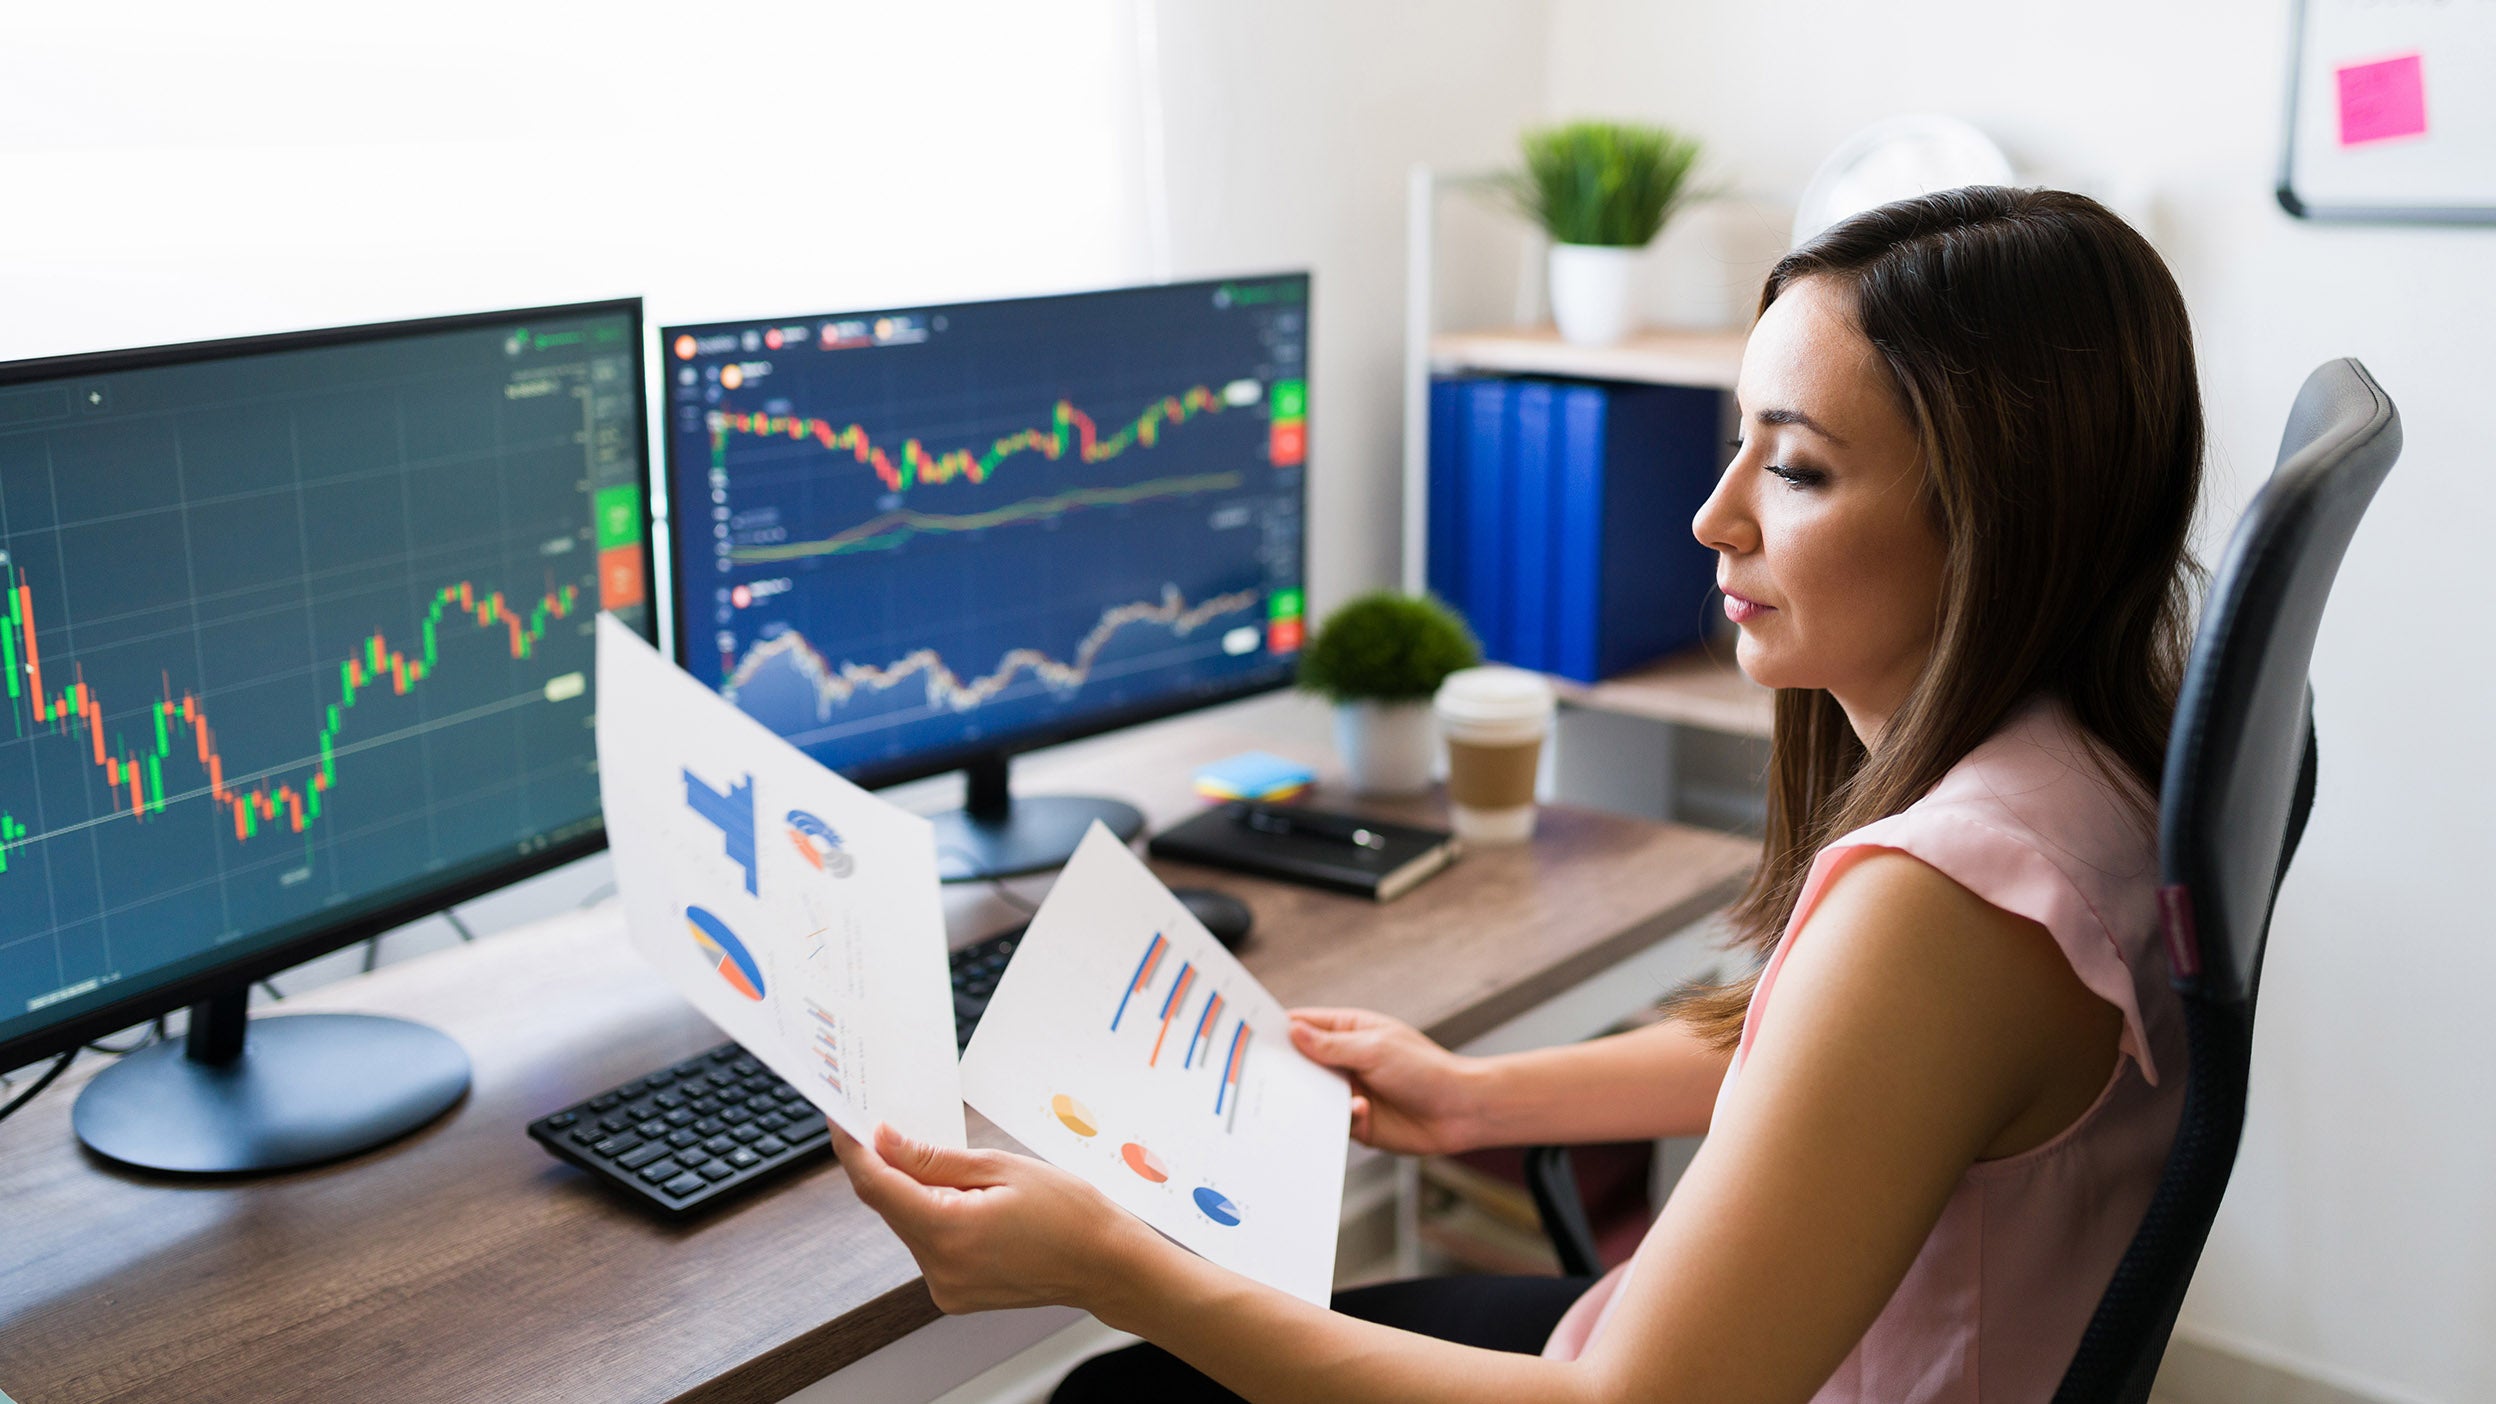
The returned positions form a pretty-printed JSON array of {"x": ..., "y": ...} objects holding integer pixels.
[
  {"x": 1898, "y": 952},
  {"x": 1891, "y": 918},
  {"x": 1910, "y": 1031}
]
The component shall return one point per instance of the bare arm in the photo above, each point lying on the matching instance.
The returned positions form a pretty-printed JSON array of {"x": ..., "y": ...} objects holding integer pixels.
[
  {"x": 1414, "y": 1097},
  {"x": 1636, "y": 1086}
]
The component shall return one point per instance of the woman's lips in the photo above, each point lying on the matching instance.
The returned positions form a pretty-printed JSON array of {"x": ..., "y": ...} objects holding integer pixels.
[{"x": 1742, "y": 610}]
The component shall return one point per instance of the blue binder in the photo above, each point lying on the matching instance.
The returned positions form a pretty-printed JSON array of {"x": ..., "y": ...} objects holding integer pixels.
[
  {"x": 1486, "y": 514},
  {"x": 1577, "y": 596},
  {"x": 1445, "y": 549},
  {"x": 1559, "y": 518},
  {"x": 1533, "y": 467},
  {"x": 1640, "y": 459}
]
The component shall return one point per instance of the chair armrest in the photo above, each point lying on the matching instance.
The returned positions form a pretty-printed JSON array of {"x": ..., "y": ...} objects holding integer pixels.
[{"x": 1553, "y": 1182}]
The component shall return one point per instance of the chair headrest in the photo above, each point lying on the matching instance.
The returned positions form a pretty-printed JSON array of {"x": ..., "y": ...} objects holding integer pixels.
[{"x": 2237, "y": 774}]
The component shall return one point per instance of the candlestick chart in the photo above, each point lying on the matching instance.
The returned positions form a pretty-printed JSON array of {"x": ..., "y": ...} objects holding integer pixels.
[
  {"x": 149, "y": 802},
  {"x": 138, "y": 770},
  {"x": 1021, "y": 516},
  {"x": 1069, "y": 430}
]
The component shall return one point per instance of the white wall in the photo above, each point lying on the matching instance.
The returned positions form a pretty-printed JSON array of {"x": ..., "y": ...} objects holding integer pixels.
[
  {"x": 2358, "y": 1240},
  {"x": 177, "y": 171},
  {"x": 1290, "y": 126}
]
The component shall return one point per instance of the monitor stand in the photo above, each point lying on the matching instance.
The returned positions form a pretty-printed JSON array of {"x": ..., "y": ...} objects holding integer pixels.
[
  {"x": 995, "y": 835},
  {"x": 304, "y": 1088}
]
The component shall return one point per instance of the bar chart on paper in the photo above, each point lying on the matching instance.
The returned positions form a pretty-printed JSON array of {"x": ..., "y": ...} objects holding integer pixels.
[
  {"x": 1124, "y": 1044},
  {"x": 1217, "y": 1035},
  {"x": 824, "y": 1041}
]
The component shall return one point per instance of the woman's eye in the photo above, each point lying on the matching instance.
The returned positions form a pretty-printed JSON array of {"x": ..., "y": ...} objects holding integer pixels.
[{"x": 1796, "y": 477}]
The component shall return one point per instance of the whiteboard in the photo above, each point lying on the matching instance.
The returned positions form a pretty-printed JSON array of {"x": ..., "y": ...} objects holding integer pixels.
[{"x": 2392, "y": 111}]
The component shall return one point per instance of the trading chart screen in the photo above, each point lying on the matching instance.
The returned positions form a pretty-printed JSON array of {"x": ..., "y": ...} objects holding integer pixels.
[
  {"x": 298, "y": 629},
  {"x": 906, "y": 538}
]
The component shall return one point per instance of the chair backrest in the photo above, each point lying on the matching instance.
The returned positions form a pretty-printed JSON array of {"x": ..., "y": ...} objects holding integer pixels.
[{"x": 2232, "y": 806}]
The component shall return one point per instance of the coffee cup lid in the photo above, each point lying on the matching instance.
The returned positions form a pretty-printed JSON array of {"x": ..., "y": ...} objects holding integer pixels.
[{"x": 1495, "y": 701}]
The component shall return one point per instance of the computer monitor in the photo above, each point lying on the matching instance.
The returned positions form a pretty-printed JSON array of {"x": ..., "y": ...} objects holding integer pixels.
[
  {"x": 296, "y": 645},
  {"x": 928, "y": 538}
]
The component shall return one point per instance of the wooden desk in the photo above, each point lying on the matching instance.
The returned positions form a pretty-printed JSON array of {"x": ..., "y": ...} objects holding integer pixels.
[{"x": 465, "y": 1264}]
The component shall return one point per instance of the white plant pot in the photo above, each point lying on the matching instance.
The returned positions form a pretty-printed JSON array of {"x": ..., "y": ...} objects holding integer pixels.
[
  {"x": 1591, "y": 292},
  {"x": 1387, "y": 747}
]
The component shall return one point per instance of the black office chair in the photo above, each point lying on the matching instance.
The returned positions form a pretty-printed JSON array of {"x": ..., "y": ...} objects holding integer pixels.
[{"x": 2239, "y": 784}]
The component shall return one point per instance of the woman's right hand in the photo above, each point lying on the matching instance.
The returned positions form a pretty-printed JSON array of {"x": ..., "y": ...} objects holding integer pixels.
[{"x": 1409, "y": 1095}]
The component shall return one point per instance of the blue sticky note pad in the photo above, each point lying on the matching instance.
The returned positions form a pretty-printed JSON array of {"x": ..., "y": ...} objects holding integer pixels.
[{"x": 1252, "y": 775}]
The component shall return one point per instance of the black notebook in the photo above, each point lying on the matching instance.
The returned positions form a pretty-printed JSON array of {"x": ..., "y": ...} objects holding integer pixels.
[{"x": 1340, "y": 851}]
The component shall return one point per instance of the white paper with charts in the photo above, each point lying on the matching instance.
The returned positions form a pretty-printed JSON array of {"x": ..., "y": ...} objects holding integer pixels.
[
  {"x": 1125, "y": 1045},
  {"x": 797, "y": 911}
]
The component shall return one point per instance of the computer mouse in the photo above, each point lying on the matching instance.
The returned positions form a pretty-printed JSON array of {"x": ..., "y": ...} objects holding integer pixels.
[{"x": 1227, "y": 917}]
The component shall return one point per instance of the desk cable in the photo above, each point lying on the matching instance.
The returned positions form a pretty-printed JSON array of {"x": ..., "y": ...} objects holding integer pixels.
[
  {"x": 59, "y": 1065},
  {"x": 152, "y": 1033}
]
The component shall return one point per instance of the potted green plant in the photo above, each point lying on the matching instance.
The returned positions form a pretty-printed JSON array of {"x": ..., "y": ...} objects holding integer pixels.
[
  {"x": 1602, "y": 191},
  {"x": 1378, "y": 659}
]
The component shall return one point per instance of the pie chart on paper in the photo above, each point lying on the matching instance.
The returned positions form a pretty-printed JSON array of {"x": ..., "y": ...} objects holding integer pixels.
[
  {"x": 1078, "y": 1117},
  {"x": 728, "y": 955},
  {"x": 1144, "y": 1163},
  {"x": 1217, "y": 1206}
]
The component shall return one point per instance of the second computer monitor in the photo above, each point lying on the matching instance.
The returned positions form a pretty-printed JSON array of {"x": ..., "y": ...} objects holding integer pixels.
[{"x": 925, "y": 538}]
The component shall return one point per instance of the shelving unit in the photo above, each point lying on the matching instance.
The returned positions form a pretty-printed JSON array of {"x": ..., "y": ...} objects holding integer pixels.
[
  {"x": 1712, "y": 359},
  {"x": 1695, "y": 689},
  {"x": 1700, "y": 687}
]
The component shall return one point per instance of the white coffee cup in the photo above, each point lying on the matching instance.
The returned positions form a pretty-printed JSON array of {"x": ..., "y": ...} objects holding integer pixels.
[{"x": 1494, "y": 720}]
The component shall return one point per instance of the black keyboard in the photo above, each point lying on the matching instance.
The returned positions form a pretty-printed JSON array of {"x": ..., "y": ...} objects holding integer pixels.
[
  {"x": 691, "y": 1135},
  {"x": 688, "y": 1136},
  {"x": 975, "y": 972}
]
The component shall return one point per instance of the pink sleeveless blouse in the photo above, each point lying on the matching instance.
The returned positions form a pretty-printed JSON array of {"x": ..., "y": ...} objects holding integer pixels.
[{"x": 1994, "y": 1306}]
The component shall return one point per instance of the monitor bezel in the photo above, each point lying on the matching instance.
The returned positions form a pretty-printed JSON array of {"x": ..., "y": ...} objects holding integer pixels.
[
  {"x": 1001, "y": 747},
  {"x": 332, "y": 931}
]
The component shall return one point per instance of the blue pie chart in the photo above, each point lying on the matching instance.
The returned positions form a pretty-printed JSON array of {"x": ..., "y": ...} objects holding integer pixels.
[
  {"x": 1217, "y": 1207},
  {"x": 726, "y": 953}
]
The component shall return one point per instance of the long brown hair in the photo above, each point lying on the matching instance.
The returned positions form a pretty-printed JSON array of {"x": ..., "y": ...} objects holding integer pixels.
[{"x": 2042, "y": 351}]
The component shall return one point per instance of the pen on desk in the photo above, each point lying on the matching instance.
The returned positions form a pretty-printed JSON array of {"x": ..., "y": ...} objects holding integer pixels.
[{"x": 1269, "y": 820}]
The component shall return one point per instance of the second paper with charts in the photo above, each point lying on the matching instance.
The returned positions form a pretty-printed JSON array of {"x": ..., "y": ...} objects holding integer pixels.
[{"x": 1124, "y": 1044}]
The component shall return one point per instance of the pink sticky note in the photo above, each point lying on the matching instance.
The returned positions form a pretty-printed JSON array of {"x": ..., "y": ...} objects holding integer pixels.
[{"x": 2379, "y": 101}]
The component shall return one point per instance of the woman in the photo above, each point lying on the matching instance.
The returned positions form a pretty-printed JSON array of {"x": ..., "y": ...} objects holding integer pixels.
[{"x": 1953, "y": 538}]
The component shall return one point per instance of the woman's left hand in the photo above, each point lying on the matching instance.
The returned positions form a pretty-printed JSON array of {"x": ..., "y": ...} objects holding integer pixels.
[{"x": 993, "y": 1229}]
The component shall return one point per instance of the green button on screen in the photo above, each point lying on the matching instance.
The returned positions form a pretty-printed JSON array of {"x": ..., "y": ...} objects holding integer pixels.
[{"x": 619, "y": 515}]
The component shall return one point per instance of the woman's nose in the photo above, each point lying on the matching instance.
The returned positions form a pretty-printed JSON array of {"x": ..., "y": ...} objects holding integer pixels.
[{"x": 1724, "y": 521}]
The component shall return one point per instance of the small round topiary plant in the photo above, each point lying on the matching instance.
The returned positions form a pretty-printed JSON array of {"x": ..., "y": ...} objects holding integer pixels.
[{"x": 1387, "y": 647}]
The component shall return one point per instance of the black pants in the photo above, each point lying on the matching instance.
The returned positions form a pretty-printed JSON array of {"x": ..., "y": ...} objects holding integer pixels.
[{"x": 1496, "y": 1313}]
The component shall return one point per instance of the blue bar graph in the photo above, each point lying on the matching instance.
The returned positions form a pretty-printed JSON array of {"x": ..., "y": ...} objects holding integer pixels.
[{"x": 733, "y": 811}]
